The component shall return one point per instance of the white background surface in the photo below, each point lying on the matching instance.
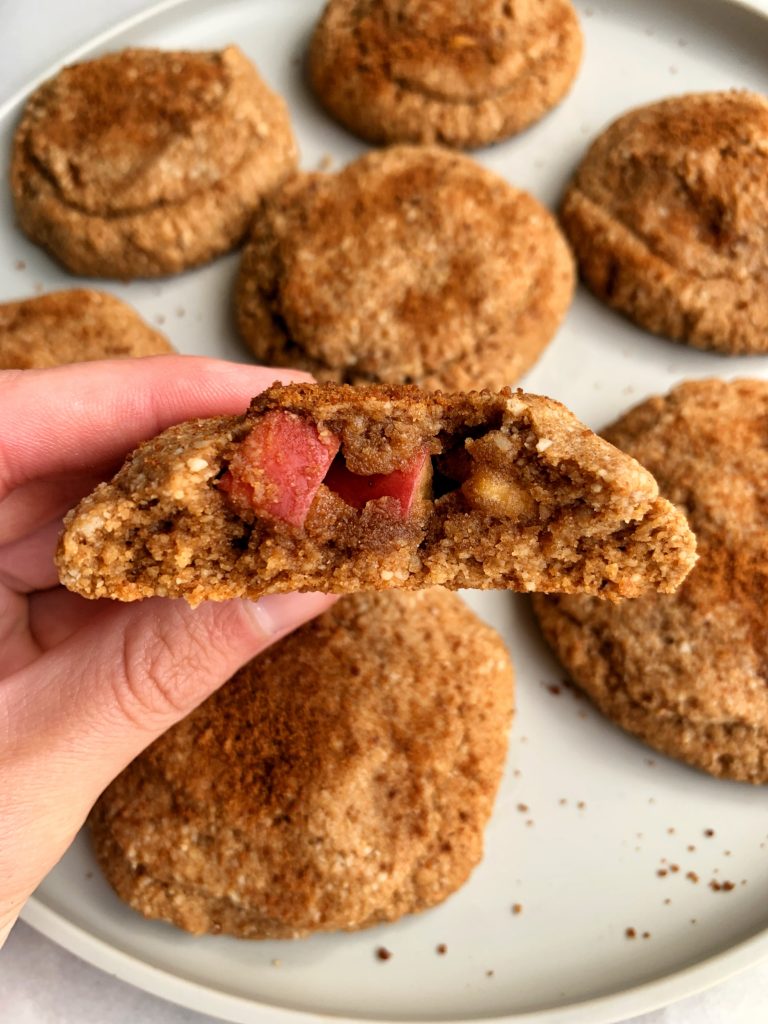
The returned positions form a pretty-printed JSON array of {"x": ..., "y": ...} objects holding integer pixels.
[{"x": 38, "y": 982}]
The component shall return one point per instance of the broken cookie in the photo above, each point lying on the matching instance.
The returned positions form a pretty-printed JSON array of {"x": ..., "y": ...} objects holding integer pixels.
[{"x": 339, "y": 488}]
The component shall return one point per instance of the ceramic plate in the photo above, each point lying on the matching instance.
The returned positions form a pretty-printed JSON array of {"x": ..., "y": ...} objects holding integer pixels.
[{"x": 586, "y": 817}]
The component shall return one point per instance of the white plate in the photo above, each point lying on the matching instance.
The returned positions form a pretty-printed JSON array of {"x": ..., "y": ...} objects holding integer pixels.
[{"x": 603, "y": 814}]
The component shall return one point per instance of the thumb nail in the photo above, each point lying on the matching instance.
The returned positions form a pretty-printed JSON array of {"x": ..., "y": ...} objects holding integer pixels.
[{"x": 277, "y": 614}]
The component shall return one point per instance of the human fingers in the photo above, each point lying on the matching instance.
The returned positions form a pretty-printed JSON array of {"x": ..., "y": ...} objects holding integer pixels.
[
  {"x": 54, "y": 615},
  {"x": 32, "y": 505},
  {"x": 77, "y": 715},
  {"x": 85, "y": 416},
  {"x": 133, "y": 670},
  {"x": 27, "y": 564}
]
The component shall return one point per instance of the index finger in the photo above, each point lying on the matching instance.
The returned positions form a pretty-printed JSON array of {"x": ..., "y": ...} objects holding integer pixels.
[{"x": 83, "y": 417}]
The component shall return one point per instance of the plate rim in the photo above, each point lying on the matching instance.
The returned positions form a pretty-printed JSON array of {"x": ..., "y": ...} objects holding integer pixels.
[{"x": 163, "y": 984}]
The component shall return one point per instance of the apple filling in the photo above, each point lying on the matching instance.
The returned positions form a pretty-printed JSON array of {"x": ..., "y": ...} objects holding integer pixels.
[{"x": 281, "y": 464}]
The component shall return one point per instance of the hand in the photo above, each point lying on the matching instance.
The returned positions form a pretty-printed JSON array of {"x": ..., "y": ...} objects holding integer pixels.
[{"x": 86, "y": 685}]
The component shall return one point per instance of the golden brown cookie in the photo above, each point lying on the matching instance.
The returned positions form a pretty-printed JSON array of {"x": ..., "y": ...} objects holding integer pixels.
[
  {"x": 668, "y": 216},
  {"x": 411, "y": 265},
  {"x": 341, "y": 779},
  {"x": 688, "y": 672},
  {"x": 145, "y": 162},
  {"x": 73, "y": 327},
  {"x": 338, "y": 488},
  {"x": 463, "y": 73}
]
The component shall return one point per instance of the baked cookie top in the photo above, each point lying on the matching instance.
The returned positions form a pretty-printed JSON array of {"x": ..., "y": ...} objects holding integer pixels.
[
  {"x": 687, "y": 672},
  {"x": 342, "y": 778},
  {"x": 337, "y": 488},
  {"x": 464, "y": 73},
  {"x": 72, "y": 327},
  {"x": 668, "y": 216},
  {"x": 411, "y": 265},
  {"x": 150, "y": 149}
]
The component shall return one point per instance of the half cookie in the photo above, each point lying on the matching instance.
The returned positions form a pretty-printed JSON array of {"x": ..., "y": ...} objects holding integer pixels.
[
  {"x": 668, "y": 217},
  {"x": 464, "y": 73},
  {"x": 410, "y": 266},
  {"x": 73, "y": 327},
  {"x": 145, "y": 162},
  {"x": 341, "y": 779},
  {"x": 688, "y": 673},
  {"x": 334, "y": 488}
]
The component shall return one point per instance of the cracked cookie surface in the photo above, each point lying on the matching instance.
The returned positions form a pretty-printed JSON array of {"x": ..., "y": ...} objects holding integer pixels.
[
  {"x": 143, "y": 163},
  {"x": 410, "y": 265},
  {"x": 668, "y": 217},
  {"x": 463, "y": 74},
  {"x": 420, "y": 489},
  {"x": 687, "y": 672},
  {"x": 341, "y": 779}
]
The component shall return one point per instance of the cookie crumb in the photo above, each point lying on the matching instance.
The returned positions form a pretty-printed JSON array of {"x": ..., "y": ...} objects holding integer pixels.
[
  {"x": 442, "y": 949},
  {"x": 667, "y": 901},
  {"x": 522, "y": 808},
  {"x": 581, "y": 805},
  {"x": 489, "y": 974},
  {"x": 692, "y": 876},
  {"x": 691, "y": 848},
  {"x": 630, "y": 933},
  {"x": 276, "y": 963},
  {"x": 517, "y": 908},
  {"x": 20, "y": 265},
  {"x": 646, "y": 935},
  {"x": 709, "y": 832},
  {"x": 662, "y": 872},
  {"x": 674, "y": 868},
  {"x": 382, "y": 953},
  {"x": 553, "y": 688}
]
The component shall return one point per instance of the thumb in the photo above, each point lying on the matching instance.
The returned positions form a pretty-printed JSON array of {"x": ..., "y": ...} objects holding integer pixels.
[
  {"x": 134, "y": 670},
  {"x": 83, "y": 710}
]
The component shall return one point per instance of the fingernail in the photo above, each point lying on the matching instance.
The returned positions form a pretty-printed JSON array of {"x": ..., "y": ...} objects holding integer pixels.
[{"x": 276, "y": 614}]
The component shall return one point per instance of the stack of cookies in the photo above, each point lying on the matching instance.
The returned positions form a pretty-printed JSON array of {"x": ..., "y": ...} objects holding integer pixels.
[{"x": 345, "y": 777}]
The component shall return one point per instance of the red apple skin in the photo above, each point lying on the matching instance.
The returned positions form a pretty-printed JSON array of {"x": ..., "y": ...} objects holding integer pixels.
[
  {"x": 402, "y": 484},
  {"x": 277, "y": 470}
]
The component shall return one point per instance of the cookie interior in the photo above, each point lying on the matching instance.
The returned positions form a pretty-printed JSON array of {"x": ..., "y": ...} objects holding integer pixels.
[{"x": 514, "y": 493}]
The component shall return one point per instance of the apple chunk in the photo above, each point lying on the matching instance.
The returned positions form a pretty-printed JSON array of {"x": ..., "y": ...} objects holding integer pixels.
[
  {"x": 405, "y": 484},
  {"x": 278, "y": 468}
]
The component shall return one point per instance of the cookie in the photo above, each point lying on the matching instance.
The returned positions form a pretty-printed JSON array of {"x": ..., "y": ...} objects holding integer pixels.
[
  {"x": 341, "y": 779},
  {"x": 335, "y": 488},
  {"x": 143, "y": 163},
  {"x": 73, "y": 326},
  {"x": 668, "y": 217},
  {"x": 463, "y": 74},
  {"x": 687, "y": 673},
  {"x": 411, "y": 265}
]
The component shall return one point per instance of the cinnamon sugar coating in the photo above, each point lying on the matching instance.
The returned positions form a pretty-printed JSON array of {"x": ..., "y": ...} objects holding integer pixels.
[
  {"x": 668, "y": 217},
  {"x": 688, "y": 672},
  {"x": 465, "y": 73},
  {"x": 143, "y": 163},
  {"x": 341, "y": 779},
  {"x": 72, "y": 327},
  {"x": 524, "y": 497},
  {"x": 411, "y": 265}
]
